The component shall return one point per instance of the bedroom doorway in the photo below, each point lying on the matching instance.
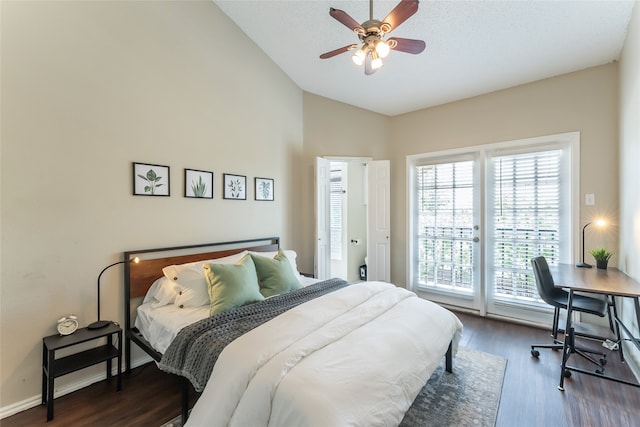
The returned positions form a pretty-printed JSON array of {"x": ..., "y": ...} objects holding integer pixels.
[{"x": 352, "y": 219}]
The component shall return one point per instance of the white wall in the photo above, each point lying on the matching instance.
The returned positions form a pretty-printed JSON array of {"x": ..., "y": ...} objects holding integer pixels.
[
  {"x": 356, "y": 220},
  {"x": 88, "y": 88},
  {"x": 629, "y": 171}
]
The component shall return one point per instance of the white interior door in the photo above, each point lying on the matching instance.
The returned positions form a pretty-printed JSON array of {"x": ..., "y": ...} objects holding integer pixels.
[
  {"x": 322, "y": 261},
  {"x": 377, "y": 194},
  {"x": 378, "y": 221}
]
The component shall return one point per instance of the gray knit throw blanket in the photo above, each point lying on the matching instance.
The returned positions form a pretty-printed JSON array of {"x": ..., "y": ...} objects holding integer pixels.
[{"x": 196, "y": 348}]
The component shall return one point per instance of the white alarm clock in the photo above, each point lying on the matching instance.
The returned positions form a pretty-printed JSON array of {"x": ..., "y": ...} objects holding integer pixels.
[{"x": 67, "y": 324}]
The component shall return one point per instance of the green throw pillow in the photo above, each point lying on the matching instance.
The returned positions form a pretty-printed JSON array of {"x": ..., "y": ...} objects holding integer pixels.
[
  {"x": 232, "y": 285},
  {"x": 275, "y": 275}
]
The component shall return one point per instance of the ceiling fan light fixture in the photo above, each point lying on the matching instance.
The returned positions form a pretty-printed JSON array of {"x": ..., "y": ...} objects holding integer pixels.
[
  {"x": 382, "y": 48},
  {"x": 376, "y": 61},
  {"x": 359, "y": 56},
  {"x": 372, "y": 48}
]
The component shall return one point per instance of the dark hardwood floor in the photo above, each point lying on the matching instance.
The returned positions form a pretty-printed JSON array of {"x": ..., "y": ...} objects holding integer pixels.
[{"x": 529, "y": 397}]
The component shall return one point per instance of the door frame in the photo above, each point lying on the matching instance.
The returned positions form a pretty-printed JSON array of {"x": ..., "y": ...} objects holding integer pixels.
[{"x": 368, "y": 193}]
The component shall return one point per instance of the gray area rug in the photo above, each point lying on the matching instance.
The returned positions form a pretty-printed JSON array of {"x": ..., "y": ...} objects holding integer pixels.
[{"x": 470, "y": 396}]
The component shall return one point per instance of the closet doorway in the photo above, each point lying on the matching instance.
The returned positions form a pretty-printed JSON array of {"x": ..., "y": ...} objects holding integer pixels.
[{"x": 352, "y": 219}]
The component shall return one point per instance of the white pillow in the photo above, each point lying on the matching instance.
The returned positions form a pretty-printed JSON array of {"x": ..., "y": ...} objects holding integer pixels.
[
  {"x": 190, "y": 280},
  {"x": 291, "y": 256},
  {"x": 161, "y": 292}
]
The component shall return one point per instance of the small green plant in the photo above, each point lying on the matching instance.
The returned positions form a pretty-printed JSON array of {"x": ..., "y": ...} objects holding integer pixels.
[
  {"x": 601, "y": 254},
  {"x": 199, "y": 188},
  {"x": 152, "y": 179}
]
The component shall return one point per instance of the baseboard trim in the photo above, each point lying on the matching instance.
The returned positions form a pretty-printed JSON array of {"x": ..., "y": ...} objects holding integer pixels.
[{"x": 36, "y": 400}]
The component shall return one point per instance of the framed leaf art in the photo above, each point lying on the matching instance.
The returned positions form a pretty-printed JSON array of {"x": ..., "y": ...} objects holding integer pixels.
[
  {"x": 198, "y": 184},
  {"x": 264, "y": 189},
  {"x": 150, "y": 180},
  {"x": 235, "y": 187}
]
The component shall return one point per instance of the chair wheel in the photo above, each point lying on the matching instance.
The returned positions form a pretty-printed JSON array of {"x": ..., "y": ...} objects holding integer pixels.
[
  {"x": 567, "y": 373},
  {"x": 603, "y": 361},
  {"x": 535, "y": 353}
]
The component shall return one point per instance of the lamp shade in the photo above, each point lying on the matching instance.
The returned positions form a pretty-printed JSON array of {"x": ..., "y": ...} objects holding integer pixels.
[{"x": 103, "y": 323}]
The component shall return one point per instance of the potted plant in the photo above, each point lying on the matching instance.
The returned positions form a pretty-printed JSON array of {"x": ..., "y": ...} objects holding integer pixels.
[{"x": 601, "y": 255}]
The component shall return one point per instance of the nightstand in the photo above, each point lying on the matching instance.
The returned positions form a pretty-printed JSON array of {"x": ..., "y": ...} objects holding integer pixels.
[{"x": 53, "y": 368}]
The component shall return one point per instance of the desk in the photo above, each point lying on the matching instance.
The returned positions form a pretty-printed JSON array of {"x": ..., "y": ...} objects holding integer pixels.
[{"x": 611, "y": 282}]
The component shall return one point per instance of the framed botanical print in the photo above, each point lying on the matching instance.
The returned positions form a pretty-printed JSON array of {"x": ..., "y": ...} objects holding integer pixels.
[
  {"x": 235, "y": 187},
  {"x": 264, "y": 189},
  {"x": 198, "y": 184},
  {"x": 150, "y": 180}
]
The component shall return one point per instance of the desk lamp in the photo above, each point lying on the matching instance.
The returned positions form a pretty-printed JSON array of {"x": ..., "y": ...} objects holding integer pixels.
[
  {"x": 599, "y": 223},
  {"x": 103, "y": 323}
]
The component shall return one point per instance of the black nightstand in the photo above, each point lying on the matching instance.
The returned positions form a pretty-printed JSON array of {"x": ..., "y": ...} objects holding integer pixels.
[{"x": 53, "y": 368}]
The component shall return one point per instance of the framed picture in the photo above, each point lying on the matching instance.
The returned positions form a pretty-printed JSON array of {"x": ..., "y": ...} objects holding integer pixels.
[
  {"x": 198, "y": 184},
  {"x": 150, "y": 180},
  {"x": 235, "y": 187},
  {"x": 264, "y": 189}
]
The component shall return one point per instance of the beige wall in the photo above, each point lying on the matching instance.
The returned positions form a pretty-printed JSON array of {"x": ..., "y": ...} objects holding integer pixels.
[
  {"x": 629, "y": 162},
  {"x": 89, "y": 87},
  {"x": 585, "y": 101},
  {"x": 333, "y": 129}
]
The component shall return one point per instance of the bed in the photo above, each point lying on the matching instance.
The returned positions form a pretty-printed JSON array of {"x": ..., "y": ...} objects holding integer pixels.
[{"x": 321, "y": 353}]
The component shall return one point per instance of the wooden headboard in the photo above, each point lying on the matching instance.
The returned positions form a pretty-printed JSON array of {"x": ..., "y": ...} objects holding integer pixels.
[{"x": 138, "y": 277}]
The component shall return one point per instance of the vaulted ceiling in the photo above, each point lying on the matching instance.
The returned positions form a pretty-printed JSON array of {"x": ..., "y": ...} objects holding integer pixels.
[{"x": 472, "y": 47}]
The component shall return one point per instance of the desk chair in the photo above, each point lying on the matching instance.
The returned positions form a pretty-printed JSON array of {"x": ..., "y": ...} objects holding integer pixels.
[{"x": 559, "y": 298}]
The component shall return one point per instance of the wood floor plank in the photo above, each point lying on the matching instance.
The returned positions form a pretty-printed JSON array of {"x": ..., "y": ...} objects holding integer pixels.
[{"x": 530, "y": 396}]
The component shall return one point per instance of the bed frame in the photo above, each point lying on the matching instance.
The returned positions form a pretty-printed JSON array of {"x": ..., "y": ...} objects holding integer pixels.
[{"x": 139, "y": 277}]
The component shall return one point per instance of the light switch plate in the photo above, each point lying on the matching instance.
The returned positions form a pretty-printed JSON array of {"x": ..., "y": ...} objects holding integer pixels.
[{"x": 589, "y": 199}]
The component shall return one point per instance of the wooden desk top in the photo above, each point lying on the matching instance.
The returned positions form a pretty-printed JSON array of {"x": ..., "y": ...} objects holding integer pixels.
[{"x": 610, "y": 281}]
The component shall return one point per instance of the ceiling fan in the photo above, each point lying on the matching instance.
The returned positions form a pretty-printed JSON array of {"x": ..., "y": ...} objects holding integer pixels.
[{"x": 373, "y": 47}]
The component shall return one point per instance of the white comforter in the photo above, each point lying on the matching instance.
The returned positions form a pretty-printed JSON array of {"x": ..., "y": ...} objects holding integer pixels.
[{"x": 357, "y": 356}]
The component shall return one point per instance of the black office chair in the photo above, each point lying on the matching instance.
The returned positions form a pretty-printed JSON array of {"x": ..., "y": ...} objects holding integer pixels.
[{"x": 559, "y": 298}]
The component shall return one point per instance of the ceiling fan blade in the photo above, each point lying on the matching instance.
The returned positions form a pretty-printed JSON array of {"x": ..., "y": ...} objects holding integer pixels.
[
  {"x": 368, "y": 69},
  {"x": 407, "y": 45},
  {"x": 338, "y": 51},
  {"x": 403, "y": 11},
  {"x": 346, "y": 20}
]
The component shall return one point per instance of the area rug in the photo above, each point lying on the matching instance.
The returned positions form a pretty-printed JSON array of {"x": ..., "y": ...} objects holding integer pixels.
[{"x": 470, "y": 396}]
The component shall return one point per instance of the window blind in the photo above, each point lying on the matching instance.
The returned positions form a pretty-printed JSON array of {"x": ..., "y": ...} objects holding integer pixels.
[
  {"x": 336, "y": 208},
  {"x": 526, "y": 219},
  {"x": 445, "y": 225}
]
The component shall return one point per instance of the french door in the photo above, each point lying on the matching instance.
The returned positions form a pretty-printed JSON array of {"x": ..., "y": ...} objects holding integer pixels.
[
  {"x": 478, "y": 216},
  {"x": 447, "y": 229}
]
